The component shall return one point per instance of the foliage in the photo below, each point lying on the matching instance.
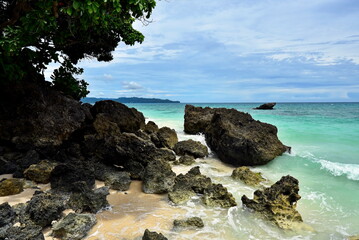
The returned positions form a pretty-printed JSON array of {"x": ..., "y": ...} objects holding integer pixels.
[{"x": 35, "y": 32}]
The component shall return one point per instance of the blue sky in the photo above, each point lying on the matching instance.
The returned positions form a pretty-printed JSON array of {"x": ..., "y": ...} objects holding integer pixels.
[{"x": 238, "y": 51}]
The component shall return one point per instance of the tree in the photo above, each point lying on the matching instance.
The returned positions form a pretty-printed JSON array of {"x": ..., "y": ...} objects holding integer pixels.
[{"x": 35, "y": 32}]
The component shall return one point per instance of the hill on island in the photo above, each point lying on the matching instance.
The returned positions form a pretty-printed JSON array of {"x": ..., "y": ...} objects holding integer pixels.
[{"x": 129, "y": 100}]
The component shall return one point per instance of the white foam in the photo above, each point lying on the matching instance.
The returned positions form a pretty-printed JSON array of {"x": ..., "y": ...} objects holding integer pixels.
[{"x": 351, "y": 171}]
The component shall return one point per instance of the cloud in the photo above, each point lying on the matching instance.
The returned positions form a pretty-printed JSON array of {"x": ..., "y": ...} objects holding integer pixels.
[
  {"x": 132, "y": 86},
  {"x": 107, "y": 76}
]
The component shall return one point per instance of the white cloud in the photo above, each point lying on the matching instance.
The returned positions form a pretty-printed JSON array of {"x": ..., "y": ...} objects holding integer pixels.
[{"x": 132, "y": 86}]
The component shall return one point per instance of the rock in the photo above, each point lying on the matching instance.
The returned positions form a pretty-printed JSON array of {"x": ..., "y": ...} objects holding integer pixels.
[
  {"x": 195, "y": 222},
  {"x": 181, "y": 196},
  {"x": 166, "y": 138},
  {"x": 43, "y": 208},
  {"x": 277, "y": 203},
  {"x": 190, "y": 147},
  {"x": 6, "y": 166},
  {"x": 33, "y": 115},
  {"x": 247, "y": 176},
  {"x": 25, "y": 161},
  {"x": 140, "y": 133},
  {"x": 118, "y": 181},
  {"x": 74, "y": 226},
  {"x": 64, "y": 176},
  {"x": 153, "y": 236},
  {"x": 11, "y": 186},
  {"x": 26, "y": 232},
  {"x": 197, "y": 119},
  {"x": 218, "y": 196},
  {"x": 86, "y": 200},
  {"x": 104, "y": 127},
  {"x": 151, "y": 127},
  {"x": 353, "y": 237},
  {"x": 127, "y": 119},
  {"x": 40, "y": 172},
  {"x": 240, "y": 140},
  {"x": 158, "y": 177},
  {"x": 185, "y": 160},
  {"x": 7, "y": 218},
  {"x": 266, "y": 106}
]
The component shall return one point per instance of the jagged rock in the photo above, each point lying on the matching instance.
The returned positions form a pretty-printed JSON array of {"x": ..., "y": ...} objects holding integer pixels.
[
  {"x": 43, "y": 208},
  {"x": 197, "y": 119},
  {"x": 86, "y": 200},
  {"x": 127, "y": 119},
  {"x": 142, "y": 134},
  {"x": 104, "y": 127},
  {"x": 151, "y": 127},
  {"x": 34, "y": 115},
  {"x": 266, "y": 106},
  {"x": 218, "y": 196},
  {"x": 64, "y": 176},
  {"x": 73, "y": 226},
  {"x": 158, "y": 177},
  {"x": 27, "y": 232},
  {"x": 181, "y": 196},
  {"x": 153, "y": 236},
  {"x": 185, "y": 160},
  {"x": 240, "y": 140},
  {"x": 118, "y": 180},
  {"x": 195, "y": 222},
  {"x": 11, "y": 186},
  {"x": 7, "y": 218},
  {"x": 247, "y": 176},
  {"x": 40, "y": 172},
  {"x": 25, "y": 161},
  {"x": 6, "y": 166},
  {"x": 190, "y": 147},
  {"x": 277, "y": 203},
  {"x": 166, "y": 138}
]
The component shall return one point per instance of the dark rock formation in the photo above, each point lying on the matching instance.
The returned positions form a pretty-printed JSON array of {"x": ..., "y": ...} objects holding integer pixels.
[
  {"x": 118, "y": 180},
  {"x": 218, "y": 196},
  {"x": 266, "y": 106},
  {"x": 104, "y": 126},
  {"x": 158, "y": 177},
  {"x": 277, "y": 203},
  {"x": 197, "y": 119},
  {"x": 151, "y": 127},
  {"x": 166, "y": 137},
  {"x": 185, "y": 160},
  {"x": 73, "y": 226},
  {"x": 26, "y": 232},
  {"x": 43, "y": 208},
  {"x": 40, "y": 172},
  {"x": 7, "y": 218},
  {"x": 23, "y": 161},
  {"x": 11, "y": 186},
  {"x": 192, "y": 148},
  {"x": 127, "y": 119},
  {"x": 247, "y": 176},
  {"x": 6, "y": 166},
  {"x": 193, "y": 222},
  {"x": 240, "y": 140},
  {"x": 153, "y": 236}
]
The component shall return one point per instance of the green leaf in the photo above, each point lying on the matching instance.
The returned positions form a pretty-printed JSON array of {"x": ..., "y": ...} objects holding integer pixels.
[
  {"x": 69, "y": 11},
  {"x": 76, "y": 5}
]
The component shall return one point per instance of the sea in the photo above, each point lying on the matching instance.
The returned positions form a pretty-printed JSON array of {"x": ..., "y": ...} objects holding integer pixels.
[{"x": 325, "y": 159}]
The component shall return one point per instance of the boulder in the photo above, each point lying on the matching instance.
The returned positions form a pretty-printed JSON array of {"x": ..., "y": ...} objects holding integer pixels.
[
  {"x": 127, "y": 119},
  {"x": 151, "y": 127},
  {"x": 185, "y": 160},
  {"x": 23, "y": 161},
  {"x": 40, "y": 172},
  {"x": 43, "y": 208},
  {"x": 11, "y": 186},
  {"x": 197, "y": 119},
  {"x": 104, "y": 126},
  {"x": 6, "y": 166},
  {"x": 7, "y": 218},
  {"x": 266, "y": 106},
  {"x": 247, "y": 176},
  {"x": 166, "y": 137},
  {"x": 218, "y": 196},
  {"x": 192, "y": 148},
  {"x": 181, "y": 196},
  {"x": 74, "y": 226},
  {"x": 153, "y": 236},
  {"x": 26, "y": 232},
  {"x": 240, "y": 140},
  {"x": 118, "y": 180},
  {"x": 277, "y": 203},
  {"x": 193, "y": 222},
  {"x": 158, "y": 177}
]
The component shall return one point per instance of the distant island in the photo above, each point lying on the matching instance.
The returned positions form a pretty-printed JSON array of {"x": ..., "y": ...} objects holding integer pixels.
[{"x": 129, "y": 100}]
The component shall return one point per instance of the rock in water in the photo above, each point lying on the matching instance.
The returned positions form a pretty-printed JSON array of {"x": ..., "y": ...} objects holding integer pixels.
[
  {"x": 151, "y": 127},
  {"x": 266, "y": 106},
  {"x": 158, "y": 177},
  {"x": 40, "y": 172},
  {"x": 11, "y": 186},
  {"x": 74, "y": 226},
  {"x": 192, "y": 148},
  {"x": 185, "y": 160},
  {"x": 218, "y": 196},
  {"x": 197, "y": 119},
  {"x": 118, "y": 180},
  {"x": 195, "y": 222},
  {"x": 153, "y": 236},
  {"x": 247, "y": 176},
  {"x": 240, "y": 140},
  {"x": 277, "y": 203},
  {"x": 166, "y": 137}
]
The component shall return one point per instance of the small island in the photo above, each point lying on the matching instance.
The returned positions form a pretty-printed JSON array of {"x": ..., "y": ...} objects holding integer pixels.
[{"x": 129, "y": 100}]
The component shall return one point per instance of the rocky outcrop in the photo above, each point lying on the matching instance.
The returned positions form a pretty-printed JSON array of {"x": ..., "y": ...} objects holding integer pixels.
[
  {"x": 151, "y": 127},
  {"x": 240, "y": 140},
  {"x": 11, "y": 186},
  {"x": 192, "y": 148},
  {"x": 247, "y": 176},
  {"x": 153, "y": 236},
  {"x": 165, "y": 137},
  {"x": 266, "y": 106},
  {"x": 185, "y": 160},
  {"x": 73, "y": 226},
  {"x": 277, "y": 203},
  {"x": 127, "y": 119},
  {"x": 158, "y": 177},
  {"x": 197, "y": 119},
  {"x": 218, "y": 196},
  {"x": 26, "y": 232},
  {"x": 40, "y": 172},
  {"x": 118, "y": 180},
  {"x": 7, "y": 218},
  {"x": 193, "y": 222}
]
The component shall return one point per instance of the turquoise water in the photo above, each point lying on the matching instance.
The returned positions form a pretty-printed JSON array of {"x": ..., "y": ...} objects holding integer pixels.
[{"x": 325, "y": 159}]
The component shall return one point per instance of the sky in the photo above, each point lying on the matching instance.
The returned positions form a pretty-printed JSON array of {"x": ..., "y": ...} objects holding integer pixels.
[{"x": 238, "y": 51}]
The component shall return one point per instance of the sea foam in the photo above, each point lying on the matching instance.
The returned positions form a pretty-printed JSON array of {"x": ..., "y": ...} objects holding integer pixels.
[{"x": 351, "y": 171}]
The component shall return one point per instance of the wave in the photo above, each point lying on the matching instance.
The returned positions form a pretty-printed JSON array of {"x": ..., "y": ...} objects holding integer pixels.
[{"x": 351, "y": 171}]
